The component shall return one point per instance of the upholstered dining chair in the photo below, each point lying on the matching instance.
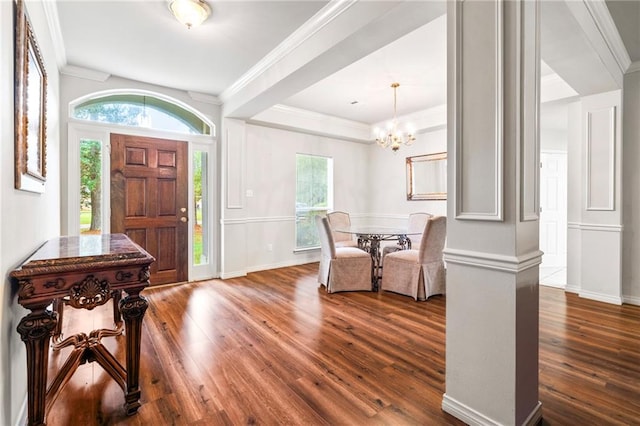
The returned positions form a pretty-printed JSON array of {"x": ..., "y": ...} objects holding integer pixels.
[
  {"x": 341, "y": 268},
  {"x": 337, "y": 220},
  {"x": 419, "y": 272},
  {"x": 416, "y": 223}
]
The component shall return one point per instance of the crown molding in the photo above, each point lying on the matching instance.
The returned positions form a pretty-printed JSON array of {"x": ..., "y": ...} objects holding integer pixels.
[
  {"x": 53, "y": 21},
  {"x": 86, "y": 73},
  {"x": 312, "y": 115},
  {"x": 324, "y": 16},
  {"x": 635, "y": 67},
  {"x": 203, "y": 97},
  {"x": 607, "y": 27},
  {"x": 296, "y": 119}
]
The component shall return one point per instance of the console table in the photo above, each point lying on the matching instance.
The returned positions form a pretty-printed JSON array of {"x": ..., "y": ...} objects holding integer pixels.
[{"x": 83, "y": 272}]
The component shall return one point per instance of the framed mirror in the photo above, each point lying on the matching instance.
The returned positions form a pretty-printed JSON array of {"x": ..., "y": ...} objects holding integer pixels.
[
  {"x": 427, "y": 177},
  {"x": 30, "y": 107}
]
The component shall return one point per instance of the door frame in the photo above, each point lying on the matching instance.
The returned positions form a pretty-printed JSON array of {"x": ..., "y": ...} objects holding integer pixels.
[{"x": 80, "y": 129}]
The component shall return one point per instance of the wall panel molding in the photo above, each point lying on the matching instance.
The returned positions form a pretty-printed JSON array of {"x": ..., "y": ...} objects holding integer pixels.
[
  {"x": 479, "y": 183},
  {"x": 601, "y": 159},
  {"x": 595, "y": 227},
  {"x": 529, "y": 105},
  {"x": 235, "y": 141}
]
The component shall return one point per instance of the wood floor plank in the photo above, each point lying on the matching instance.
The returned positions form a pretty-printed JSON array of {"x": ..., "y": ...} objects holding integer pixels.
[{"x": 273, "y": 348}]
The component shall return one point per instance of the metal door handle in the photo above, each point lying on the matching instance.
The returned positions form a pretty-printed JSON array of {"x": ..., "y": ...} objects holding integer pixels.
[{"x": 183, "y": 219}]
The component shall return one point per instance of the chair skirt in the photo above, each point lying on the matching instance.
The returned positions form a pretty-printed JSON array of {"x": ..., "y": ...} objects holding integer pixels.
[
  {"x": 403, "y": 274},
  {"x": 352, "y": 274}
]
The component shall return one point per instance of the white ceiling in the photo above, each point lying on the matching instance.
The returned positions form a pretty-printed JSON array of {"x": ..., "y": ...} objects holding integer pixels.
[
  {"x": 418, "y": 61},
  {"x": 140, "y": 40}
]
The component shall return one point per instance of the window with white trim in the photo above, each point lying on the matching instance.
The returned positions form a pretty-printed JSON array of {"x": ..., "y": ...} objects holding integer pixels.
[{"x": 314, "y": 196}]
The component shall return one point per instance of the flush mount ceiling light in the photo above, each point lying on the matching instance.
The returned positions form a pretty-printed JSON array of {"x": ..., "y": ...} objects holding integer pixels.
[
  {"x": 393, "y": 137},
  {"x": 190, "y": 12}
]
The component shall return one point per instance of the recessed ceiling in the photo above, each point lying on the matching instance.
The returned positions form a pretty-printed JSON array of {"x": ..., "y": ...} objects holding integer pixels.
[{"x": 418, "y": 61}]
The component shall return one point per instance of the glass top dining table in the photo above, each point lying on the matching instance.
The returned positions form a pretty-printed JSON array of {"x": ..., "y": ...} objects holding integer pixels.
[{"x": 369, "y": 238}]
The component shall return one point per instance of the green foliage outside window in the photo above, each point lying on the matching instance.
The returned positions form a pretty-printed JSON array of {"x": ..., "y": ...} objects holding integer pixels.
[
  {"x": 91, "y": 185},
  {"x": 118, "y": 113},
  {"x": 313, "y": 196}
]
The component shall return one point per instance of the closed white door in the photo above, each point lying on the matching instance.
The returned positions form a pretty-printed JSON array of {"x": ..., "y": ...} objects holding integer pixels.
[{"x": 553, "y": 201}]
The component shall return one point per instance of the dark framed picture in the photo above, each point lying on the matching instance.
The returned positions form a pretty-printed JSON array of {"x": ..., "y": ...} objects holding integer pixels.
[{"x": 30, "y": 106}]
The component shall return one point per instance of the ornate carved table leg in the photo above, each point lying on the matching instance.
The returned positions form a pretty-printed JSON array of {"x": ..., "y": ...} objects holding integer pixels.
[
  {"x": 133, "y": 308},
  {"x": 116, "y": 295},
  {"x": 375, "y": 257},
  {"x": 58, "y": 308},
  {"x": 35, "y": 330}
]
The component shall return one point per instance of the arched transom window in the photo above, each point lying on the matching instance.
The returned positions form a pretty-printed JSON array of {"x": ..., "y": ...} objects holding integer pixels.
[{"x": 141, "y": 110}]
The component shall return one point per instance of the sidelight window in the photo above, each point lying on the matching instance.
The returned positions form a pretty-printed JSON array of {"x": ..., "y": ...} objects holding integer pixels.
[
  {"x": 200, "y": 208},
  {"x": 90, "y": 186}
]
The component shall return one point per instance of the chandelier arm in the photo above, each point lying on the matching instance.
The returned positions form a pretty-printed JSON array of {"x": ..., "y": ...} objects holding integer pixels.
[{"x": 393, "y": 138}]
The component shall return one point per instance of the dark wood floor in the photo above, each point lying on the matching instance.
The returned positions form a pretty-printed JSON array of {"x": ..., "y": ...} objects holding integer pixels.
[{"x": 273, "y": 348}]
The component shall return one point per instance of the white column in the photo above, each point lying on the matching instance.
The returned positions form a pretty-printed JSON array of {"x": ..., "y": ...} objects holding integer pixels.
[
  {"x": 492, "y": 250},
  {"x": 233, "y": 224}
]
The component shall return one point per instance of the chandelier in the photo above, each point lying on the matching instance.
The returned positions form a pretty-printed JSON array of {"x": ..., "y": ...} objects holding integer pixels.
[
  {"x": 190, "y": 12},
  {"x": 393, "y": 137}
]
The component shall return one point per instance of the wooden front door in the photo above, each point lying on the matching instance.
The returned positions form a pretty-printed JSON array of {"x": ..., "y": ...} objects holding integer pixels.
[{"x": 149, "y": 198}]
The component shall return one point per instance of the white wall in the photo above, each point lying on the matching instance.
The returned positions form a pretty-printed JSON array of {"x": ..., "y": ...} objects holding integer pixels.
[
  {"x": 267, "y": 217},
  {"x": 388, "y": 202},
  {"x": 27, "y": 219},
  {"x": 369, "y": 183},
  {"x": 631, "y": 189}
]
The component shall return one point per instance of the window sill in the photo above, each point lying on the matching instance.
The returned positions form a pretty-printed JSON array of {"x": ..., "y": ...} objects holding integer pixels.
[{"x": 305, "y": 250}]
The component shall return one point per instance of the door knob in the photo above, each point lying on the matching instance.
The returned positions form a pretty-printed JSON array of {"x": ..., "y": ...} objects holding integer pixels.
[{"x": 183, "y": 219}]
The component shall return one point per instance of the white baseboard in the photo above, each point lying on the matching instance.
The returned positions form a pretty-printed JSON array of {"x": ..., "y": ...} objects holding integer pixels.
[
  {"x": 535, "y": 416},
  {"x": 570, "y": 288},
  {"x": 232, "y": 274},
  {"x": 473, "y": 417},
  {"x": 631, "y": 300},
  {"x": 560, "y": 286},
  {"x": 600, "y": 297},
  {"x": 465, "y": 413},
  {"x": 286, "y": 263},
  {"x": 265, "y": 267}
]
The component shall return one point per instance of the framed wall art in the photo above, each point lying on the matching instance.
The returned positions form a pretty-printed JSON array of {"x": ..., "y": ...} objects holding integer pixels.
[{"x": 30, "y": 104}]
